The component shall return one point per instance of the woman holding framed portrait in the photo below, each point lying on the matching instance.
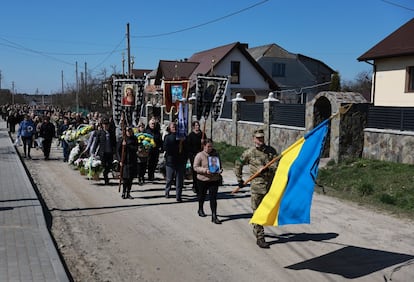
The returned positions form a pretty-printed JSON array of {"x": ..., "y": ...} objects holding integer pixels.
[{"x": 207, "y": 167}]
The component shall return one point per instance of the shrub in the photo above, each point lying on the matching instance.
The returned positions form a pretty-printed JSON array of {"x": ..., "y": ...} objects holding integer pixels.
[
  {"x": 228, "y": 153},
  {"x": 387, "y": 199},
  {"x": 365, "y": 189}
]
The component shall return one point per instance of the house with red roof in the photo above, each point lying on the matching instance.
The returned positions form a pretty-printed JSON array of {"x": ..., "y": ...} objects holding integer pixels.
[{"x": 392, "y": 60}]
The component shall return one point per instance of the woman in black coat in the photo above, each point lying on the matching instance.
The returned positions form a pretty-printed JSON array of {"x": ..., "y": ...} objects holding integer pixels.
[{"x": 129, "y": 163}]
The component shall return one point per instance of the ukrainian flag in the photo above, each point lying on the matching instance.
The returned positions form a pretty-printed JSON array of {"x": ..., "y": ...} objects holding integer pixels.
[{"x": 290, "y": 196}]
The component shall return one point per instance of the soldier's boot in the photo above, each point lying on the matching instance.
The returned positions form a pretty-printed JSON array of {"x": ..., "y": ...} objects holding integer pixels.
[{"x": 262, "y": 243}]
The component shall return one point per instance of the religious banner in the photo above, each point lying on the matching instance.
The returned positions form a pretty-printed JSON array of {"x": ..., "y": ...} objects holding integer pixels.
[
  {"x": 174, "y": 92},
  {"x": 128, "y": 98},
  {"x": 182, "y": 120},
  {"x": 211, "y": 91}
]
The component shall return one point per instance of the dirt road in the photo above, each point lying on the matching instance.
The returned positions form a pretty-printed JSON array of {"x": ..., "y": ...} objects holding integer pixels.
[{"x": 150, "y": 238}]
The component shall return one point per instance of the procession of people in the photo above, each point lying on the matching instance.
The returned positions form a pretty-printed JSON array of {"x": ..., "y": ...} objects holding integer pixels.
[{"x": 90, "y": 141}]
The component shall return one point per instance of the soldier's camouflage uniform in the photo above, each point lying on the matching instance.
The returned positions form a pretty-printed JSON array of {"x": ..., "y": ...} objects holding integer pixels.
[{"x": 256, "y": 158}]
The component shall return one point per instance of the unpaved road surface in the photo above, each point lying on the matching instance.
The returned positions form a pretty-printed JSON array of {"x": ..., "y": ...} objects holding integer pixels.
[{"x": 150, "y": 238}]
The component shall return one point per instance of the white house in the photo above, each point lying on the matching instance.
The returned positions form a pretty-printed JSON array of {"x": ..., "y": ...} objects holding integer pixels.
[{"x": 393, "y": 68}]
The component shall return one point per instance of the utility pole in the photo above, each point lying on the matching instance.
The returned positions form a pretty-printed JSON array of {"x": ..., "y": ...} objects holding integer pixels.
[
  {"x": 129, "y": 51},
  {"x": 123, "y": 63},
  {"x": 0, "y": 79},
  {"x": 77, "y": 89},
  {"x": 12, "y": 92},
  {"x": 86, "y": 80},
  {"x": 61, "y": 78}
]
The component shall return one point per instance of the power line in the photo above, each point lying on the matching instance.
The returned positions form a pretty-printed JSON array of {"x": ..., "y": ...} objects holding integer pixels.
[
  {"x": 17, "y": 46},
  {"x": 397, "y": 5},
  {"x": 110, "y": 54},
  {"x": 202, "y": 24},
  {"x": 21, "y": 47}
]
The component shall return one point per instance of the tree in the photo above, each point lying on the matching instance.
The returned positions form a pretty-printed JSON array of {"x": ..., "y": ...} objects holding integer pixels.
[
  {"x": 335, "y": 82},
  {"x": 362, "y": 84}
]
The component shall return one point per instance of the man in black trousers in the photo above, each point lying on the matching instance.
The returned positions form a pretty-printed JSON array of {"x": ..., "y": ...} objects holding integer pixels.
[{"x": 47, "y": 132}]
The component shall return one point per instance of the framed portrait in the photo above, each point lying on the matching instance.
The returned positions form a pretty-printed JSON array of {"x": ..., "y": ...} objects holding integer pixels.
[
  {"x": 128, "y": 99},
  {"x": 176, "y": 92},
  {"x": 214, "y": 164}
]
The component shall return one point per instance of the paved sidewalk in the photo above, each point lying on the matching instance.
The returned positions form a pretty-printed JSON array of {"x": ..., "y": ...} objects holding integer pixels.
[{"x": 27, "y": 252}]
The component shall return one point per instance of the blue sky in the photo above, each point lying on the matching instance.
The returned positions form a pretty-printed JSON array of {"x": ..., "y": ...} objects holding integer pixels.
[{"x": 41, "y": 39}]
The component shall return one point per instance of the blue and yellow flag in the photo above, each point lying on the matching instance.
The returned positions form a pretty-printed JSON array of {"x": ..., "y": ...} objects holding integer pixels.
[{"x": 290, "y": 196}]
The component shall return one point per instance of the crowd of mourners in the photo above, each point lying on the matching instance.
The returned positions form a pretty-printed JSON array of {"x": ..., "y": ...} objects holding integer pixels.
[
  {"x": 174, "y": 157},
  {"x": 139, "y": 150}
]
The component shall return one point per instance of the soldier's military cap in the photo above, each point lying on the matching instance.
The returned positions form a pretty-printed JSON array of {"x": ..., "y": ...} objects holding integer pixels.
[{"x": 258, "y": 133}]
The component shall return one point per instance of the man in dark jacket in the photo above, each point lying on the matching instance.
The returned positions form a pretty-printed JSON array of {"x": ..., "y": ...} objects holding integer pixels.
[
  {"x": 47, "y": 132},
  {"x": 104, "y": 147},
  {"x": 176, "y": 155}
]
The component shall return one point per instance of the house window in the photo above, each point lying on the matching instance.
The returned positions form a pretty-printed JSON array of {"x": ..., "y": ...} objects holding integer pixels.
[
  {"x": 278, "y": 70},
  {"x": 235, "y": 72},
  {"x": 410, "y": 79}
]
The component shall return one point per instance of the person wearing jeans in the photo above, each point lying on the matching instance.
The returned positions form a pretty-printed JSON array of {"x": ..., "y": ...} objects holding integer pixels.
[
  {"x": 176, "y": 159},
  {"x": 25, "y": 132}
]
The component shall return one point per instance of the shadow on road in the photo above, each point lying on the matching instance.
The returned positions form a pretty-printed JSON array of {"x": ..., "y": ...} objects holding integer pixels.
[
  {"x": 352, "y": 262},
  {"x": 301, "y": 237}
]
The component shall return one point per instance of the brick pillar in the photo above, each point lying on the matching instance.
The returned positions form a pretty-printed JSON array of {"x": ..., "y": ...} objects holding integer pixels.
[
  {"x": 268, "y": 108},
  {"x": 266, "y": 119}
]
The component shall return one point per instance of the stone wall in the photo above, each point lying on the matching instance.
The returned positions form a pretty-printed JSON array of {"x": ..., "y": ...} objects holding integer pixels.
[
  {"x": 389, "y": 145},
  {"x": 280, "y": 137},
  {"x": 346, "y": 139}
]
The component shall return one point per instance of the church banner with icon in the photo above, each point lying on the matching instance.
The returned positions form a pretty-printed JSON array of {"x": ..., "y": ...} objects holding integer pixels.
[
  {"x": 128, "y": 98},
  {"x": 211, "y": 91},
  {"x": 174, "y": 92}
]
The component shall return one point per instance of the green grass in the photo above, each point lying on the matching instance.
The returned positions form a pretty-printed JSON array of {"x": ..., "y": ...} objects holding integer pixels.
[
  {"x": 382, "y": 185},
  {"x": 228, "y": 153}
]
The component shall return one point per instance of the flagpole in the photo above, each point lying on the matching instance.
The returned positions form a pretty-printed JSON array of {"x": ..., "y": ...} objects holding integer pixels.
[{"x": 342, "y": 110}]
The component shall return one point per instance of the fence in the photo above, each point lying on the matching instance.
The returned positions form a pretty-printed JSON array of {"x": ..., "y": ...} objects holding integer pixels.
[
  {"x": 382, "y": 133},
  {"x": 391, "y": 118}
]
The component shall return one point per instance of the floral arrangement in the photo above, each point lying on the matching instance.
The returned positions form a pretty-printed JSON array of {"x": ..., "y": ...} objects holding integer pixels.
[
  {"x": 146, "y": 139},
  {"x": 72, "y": 135},
  {"x": 79, "y": 164},
  {"x": 94, "y": 167},
  {"x": 74, "y": 154}
]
